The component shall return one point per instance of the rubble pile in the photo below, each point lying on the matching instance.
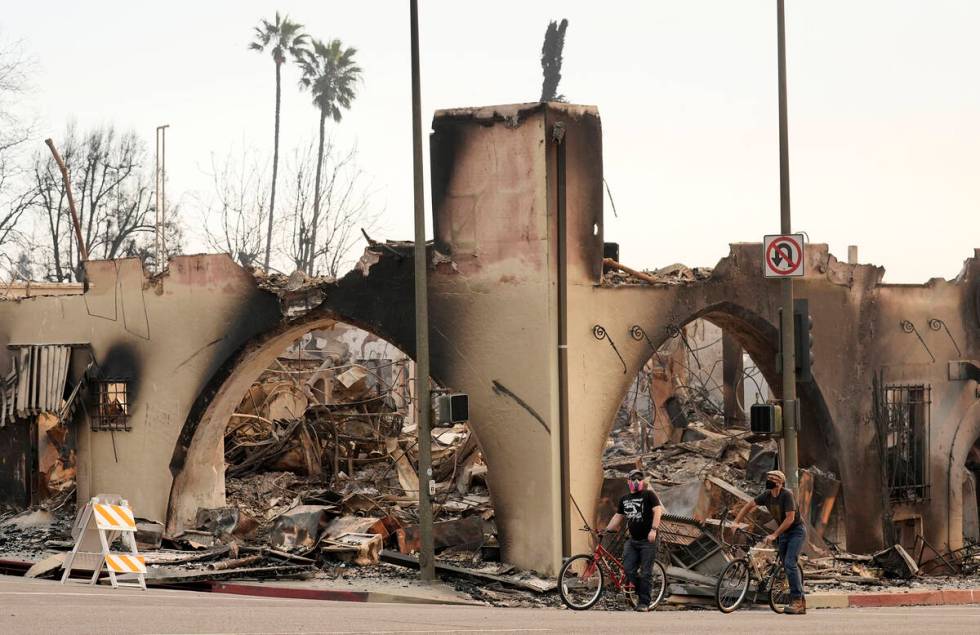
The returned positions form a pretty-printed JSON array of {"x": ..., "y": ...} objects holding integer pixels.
[
  {"x": 704, "y": 453},
  {"x": 321, "y": 476},
  {"x": 32, "y": 532},
  {"x": 298, "y": 292},
  {"x": 615, "y": 274}
]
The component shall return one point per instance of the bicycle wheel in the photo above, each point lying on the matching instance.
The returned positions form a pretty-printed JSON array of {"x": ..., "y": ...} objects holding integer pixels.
[
  {"x": 658, "y": 585},
  {"x": 580, "y": 582},
  {"x": 779, "y": 589},
  {"x": 732, "y": 585}
]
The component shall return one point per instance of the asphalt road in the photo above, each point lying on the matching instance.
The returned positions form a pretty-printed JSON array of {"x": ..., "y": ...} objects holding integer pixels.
[{"x": 32, "y": 606}]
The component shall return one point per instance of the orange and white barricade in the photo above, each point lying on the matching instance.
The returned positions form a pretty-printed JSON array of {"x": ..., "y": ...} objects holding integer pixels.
[{"x": 100, "y": 524}]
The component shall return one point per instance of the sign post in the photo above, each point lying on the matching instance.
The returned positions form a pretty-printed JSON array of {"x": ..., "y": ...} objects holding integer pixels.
[{"x": 787, "y": 260}]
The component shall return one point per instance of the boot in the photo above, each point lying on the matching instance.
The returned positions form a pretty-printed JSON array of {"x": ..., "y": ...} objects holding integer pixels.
[{"x": 796, "y": 606}]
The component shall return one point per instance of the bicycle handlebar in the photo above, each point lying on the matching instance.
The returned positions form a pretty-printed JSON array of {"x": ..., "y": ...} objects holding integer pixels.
[{"x": 753, "y": 537}]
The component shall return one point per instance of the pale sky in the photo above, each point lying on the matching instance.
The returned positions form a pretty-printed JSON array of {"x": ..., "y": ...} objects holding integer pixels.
[{"x": 884, "y": 106}]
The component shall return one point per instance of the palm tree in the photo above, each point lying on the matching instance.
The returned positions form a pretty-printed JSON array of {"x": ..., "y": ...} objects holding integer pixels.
[
  {"x": 331, "y": 75},
  {"x": 282, "y": 37}
]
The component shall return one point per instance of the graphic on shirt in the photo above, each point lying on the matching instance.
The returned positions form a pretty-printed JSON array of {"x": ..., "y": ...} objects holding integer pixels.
[{"x": 633, "y": 509}]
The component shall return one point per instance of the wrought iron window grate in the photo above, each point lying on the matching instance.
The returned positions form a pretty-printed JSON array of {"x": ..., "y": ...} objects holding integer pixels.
[
  {"x": 906, "y": 442},
  {"x": 112, "y": 409}
]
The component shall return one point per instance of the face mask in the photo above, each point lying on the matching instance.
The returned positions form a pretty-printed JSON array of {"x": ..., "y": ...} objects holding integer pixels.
[
  {"x": 635, "y": 486},
  {"x": 771, "y": 485}
]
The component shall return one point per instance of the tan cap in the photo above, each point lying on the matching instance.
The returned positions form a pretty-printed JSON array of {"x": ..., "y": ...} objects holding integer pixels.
[{"x": 777, "y": 474}]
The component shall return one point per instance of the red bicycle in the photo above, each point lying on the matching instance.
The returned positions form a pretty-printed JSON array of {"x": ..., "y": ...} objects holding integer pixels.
[{"x": 583, "y": 578}]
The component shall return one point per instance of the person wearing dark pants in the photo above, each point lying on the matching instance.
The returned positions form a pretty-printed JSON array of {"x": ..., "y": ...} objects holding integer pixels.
[
  {"x": 638, "y": 559},
  {"x": 789, "y": 536},
  {"x": 790, "y": 544},
  {"x": 642, "y": 510}
]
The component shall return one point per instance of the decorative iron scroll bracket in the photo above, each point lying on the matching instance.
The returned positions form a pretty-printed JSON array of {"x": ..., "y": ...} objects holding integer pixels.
[
  {"x": 908, "y": 327},
  {"x": 638, "y": 334},
  {"x": 935, "y": 324},
  {"x": 673, "y": 332},
  {"x": 599, "y": 332}
]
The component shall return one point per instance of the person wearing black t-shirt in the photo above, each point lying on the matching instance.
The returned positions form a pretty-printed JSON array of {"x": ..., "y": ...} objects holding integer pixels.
[
  {"x": 642, "y": 510},
  {"x": 789, "y": 535}
]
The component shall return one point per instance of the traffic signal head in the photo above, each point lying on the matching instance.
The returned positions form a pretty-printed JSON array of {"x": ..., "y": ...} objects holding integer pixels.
[{"x": 803, "y": 330}]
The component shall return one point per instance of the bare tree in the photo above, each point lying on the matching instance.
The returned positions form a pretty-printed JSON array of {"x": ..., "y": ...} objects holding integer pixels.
[
  {"x": 238, "y": 209},
  {"x": 111, "y": 186},
  {"x": 15, "y": 68},
  {"x": 13, "y": 203},
  {"x": 321, "y": 237}
]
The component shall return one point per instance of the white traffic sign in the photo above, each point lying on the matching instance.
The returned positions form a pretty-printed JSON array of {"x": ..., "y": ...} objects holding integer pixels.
[{"x": 782, "y": 256}]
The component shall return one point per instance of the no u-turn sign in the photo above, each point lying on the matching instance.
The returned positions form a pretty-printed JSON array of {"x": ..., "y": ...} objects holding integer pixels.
[{"x": 782, "y": 256}]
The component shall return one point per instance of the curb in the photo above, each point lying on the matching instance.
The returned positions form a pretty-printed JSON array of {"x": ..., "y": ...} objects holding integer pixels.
[
  {"x": 332, "y": 595},
  {"x": 931, "y": 597}
]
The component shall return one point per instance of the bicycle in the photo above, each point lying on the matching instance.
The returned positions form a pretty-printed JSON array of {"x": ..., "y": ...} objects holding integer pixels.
[
  {"x": 752, "y": 566},
  {"x": 582, "y": 579}
]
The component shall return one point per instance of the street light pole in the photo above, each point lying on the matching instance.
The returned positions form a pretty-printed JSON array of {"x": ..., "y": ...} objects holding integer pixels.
[
  {"x": 788, "y": 344},
  {"x": 423, "y": 400}
]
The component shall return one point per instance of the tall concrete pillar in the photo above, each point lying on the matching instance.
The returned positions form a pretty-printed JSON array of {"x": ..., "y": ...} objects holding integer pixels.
[{"x": 504, "y": 185}]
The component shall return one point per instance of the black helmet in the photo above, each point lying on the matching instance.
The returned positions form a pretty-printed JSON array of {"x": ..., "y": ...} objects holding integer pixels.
[{"x": 635, "y": 474}]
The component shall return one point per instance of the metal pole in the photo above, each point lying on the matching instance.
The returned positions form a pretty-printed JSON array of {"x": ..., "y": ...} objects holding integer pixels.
[
  {"x": 156, "y": 195},
  {"x": 159, "y": 247},
  {"x": 422, "y": 398},
  {"x": 790, "y": 414},
  {"x": 163, "y": 198}
]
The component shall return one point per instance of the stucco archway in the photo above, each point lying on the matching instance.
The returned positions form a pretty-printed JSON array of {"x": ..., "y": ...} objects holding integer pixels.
[
  {"x": 819, "y": 440},
  {"x": 965, "y": 437},
  {"x": 198, "y": 461},
  {"x": 759, "y": 338}
]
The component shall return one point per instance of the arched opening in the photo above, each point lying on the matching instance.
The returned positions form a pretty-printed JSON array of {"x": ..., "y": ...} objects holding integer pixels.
[
  {"x": 951, "y": 525},
  {"x": 684, "y": 420},
  {"x": 321, "y": 414},
  {"x": 971, "y": 495},
  {"x": 961, "y": 469}
]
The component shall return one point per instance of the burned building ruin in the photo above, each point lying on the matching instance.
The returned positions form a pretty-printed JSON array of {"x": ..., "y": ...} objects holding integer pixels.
[{"x": 142, "y": 373}]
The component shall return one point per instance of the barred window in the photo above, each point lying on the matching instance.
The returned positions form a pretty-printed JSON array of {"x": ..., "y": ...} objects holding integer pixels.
[
  {"x": 906, "y": 411},
  {"x": 112, "y": 409}
]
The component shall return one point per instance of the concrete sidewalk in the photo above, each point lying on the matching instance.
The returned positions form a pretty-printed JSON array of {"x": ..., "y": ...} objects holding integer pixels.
[
  {"x": 394, "y": 592},
  {"x": 415, "y": 592},
  {"x": 403, "y": 592}
]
